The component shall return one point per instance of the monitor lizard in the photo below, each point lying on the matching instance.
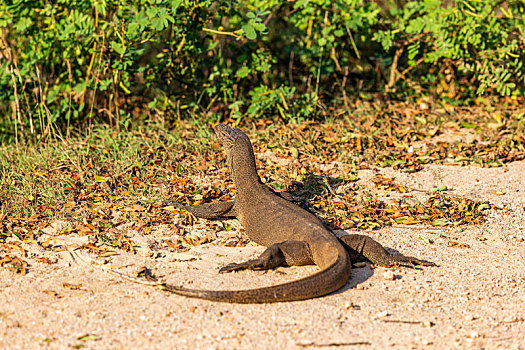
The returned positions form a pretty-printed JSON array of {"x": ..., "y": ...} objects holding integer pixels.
[{"x": 293, "y": 236}]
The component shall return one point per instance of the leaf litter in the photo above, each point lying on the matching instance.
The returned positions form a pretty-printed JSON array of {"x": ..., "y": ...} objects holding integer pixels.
[{"x": 99, "y": 198}]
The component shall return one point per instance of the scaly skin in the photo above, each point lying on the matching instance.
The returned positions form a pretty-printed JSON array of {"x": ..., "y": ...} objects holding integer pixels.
[{"x": 293, "y": 236}]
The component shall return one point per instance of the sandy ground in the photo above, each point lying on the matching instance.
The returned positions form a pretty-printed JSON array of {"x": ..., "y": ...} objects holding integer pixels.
[{"x": 475, "y": 298}]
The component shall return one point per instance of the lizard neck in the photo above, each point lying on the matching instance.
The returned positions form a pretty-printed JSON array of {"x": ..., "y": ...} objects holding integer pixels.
[{"x": 244, "y": 172}]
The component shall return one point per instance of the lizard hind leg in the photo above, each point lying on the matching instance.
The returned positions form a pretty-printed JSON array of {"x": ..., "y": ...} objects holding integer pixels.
[
  {"x": 362, "y": 247},
  {"x": 286, "y": 253},
  {"x": 207, "y": 210}
]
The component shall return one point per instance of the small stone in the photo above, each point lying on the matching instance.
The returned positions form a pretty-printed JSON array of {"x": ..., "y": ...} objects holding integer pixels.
[
  {"x": 351, "y": 306},
  {"x": 469, "y": 318},
  {"x": 389, "y": 275},
  {"x": 427, "y": 324},
  {"x": 382, "y": 314},
  {"x": 474, "y": 335}
]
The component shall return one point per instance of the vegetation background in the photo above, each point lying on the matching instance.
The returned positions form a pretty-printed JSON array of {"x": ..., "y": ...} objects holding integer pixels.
[
  {"x": 112, "y": 100},
  {"x": 105, "y": 113},
  {"x": 70, "y": 65}
]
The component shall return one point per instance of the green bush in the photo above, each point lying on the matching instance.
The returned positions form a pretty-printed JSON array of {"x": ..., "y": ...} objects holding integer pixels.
[
  {"x": 482, "y": 40},
  {"x": 69, "y": 64}
]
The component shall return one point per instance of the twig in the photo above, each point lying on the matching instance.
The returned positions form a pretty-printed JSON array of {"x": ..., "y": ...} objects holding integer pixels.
[
  {"x": 402, "y": 74},
  {"x": 290, "y": 68},
  {"x": 334, "y": 57},
  {"x": 17, "y": 103},
  {"x": 393, "y": 69},
  {"x": 320, "y": 60},
  {"x": 305, "y": 345},
  {"x": 75, "y": 256},
  {"x": 403, "y": 321},
  {"x": 353, "y": 42},
  {"x": 49, "y": 126},
  {"x": 234, "y": 34},
  {"x": 267, "y": 19},
  {"x": 343, "y": 88}
]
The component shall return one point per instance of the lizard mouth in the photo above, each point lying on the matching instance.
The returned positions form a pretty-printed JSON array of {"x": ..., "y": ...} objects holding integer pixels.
[{"x": 223, "y": 133}]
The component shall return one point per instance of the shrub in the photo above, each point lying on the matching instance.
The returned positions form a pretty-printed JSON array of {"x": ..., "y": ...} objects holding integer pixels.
[{"x": 68, "y": 64}]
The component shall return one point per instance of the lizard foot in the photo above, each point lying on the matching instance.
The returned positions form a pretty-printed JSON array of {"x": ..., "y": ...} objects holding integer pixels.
[
  {"x": 407, "y": 261},
  {"x": 236, "y": 267},
  {"x": 256, "y": 264},
  {"x": 269, "y": 259}
]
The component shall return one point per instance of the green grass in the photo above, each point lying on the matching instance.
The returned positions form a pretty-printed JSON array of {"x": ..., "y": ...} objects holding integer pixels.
[
  {"x": 56, "y": 172},
  {"x": 88, "y": 177}
]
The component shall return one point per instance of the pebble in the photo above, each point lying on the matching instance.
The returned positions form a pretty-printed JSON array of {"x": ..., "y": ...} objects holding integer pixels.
[
  {"x": 348, "y": 305},
  {"x": 382, "y": 314},
  {"x": 389, "y": 275}
]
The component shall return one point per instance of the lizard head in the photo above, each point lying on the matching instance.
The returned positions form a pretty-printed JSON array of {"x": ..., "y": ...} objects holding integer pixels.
[
  {"x": 230, "y": 137},
  {"x": 237, "y": 145}
]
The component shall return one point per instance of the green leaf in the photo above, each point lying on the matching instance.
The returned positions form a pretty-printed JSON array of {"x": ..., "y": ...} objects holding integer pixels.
[
  {"x": 79, "y": 87},
  {"x": 23, "y": 24},
  {"x": 87, "y": 337},
  {"x": 425, "y": 239},
  {"x": 117, "y": 47},
  {"x": 158, "y": 23},
  {"x": 249, "y": 31},
  {"x": 483, "y": 206},
  {"x": 440, "y": 222},
  {"x": 175, "y": 4},
  {"x": 243, "y": 72},
  {"x": 467, "y": 125},
  {"x": 133, "y": 28},
  {"x": 260, "y": 27}
]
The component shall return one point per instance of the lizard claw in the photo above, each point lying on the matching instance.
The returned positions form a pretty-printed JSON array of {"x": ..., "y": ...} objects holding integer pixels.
[
  {"x": 409, "y": 261},
  {"x": 228, "y": 268},
  {"x": 234, "y": 267},
  {"x": 247, "y": 265},
  {"x": 424, "y": 262},
  {"x": 405, "y": 261}
]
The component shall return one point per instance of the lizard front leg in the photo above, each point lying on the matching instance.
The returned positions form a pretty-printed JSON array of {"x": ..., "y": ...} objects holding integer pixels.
[
  {"x": 361, "y": 248},
  {"x": 208, "y": 210},
  {"x": 289, "y": 253}
]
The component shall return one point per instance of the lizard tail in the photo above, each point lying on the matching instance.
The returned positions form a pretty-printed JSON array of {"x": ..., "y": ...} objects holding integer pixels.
[{"x": 321, "y": 283}]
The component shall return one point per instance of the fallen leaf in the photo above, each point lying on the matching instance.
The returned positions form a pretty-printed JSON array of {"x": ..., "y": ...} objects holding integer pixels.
[
  {"x": 87, "y": 337},
  {"x": 100, "y": 179},
  {"x": 71, "y": 286}
]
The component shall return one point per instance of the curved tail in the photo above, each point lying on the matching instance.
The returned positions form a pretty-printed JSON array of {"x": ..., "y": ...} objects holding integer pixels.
[{"x": 321, "y": 283}]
